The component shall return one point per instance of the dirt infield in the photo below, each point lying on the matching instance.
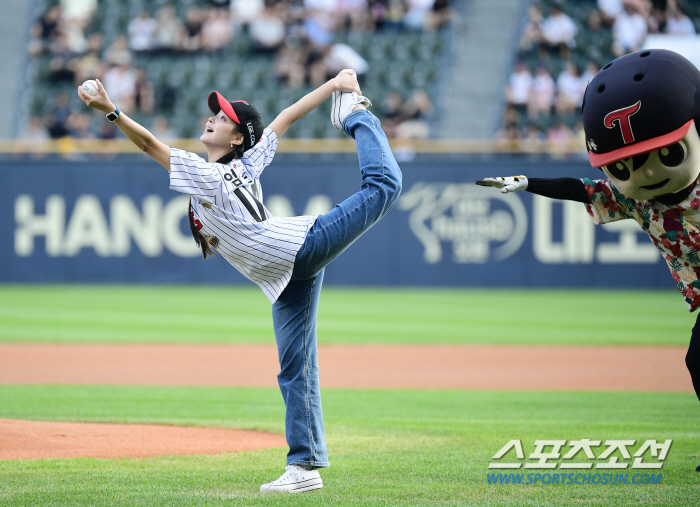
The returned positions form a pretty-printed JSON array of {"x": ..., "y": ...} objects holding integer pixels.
[
  {"x": 372, "y": 366},
  {"x": 39, "y": 439}
]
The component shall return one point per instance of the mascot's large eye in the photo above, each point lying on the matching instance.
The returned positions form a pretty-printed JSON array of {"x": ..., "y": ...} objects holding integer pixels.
[
  {"x": 639, "y": 161},
  {"x": 674, "y": 155},
  {"x": 618, "y": 170}
]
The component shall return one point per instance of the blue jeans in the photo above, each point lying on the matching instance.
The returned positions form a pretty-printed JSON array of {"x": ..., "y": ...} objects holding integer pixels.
[{"x": 294, "y": 313}]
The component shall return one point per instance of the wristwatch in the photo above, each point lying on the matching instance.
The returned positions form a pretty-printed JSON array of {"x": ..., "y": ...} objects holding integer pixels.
[{"x": 113, "y": 115}]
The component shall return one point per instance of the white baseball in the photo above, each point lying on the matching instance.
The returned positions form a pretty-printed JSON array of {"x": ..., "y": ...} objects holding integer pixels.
[{"x": 90, "y": 87}]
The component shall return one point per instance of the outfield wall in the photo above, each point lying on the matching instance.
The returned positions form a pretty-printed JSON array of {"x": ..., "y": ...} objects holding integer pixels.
[{"x": 115, "y": 220}]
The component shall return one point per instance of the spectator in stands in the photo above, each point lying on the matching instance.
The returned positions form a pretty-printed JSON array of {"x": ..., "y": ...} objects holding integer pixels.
[
  {"x": 440, "y": 15},
  {"x": 594, "y": 21},
  {"x": 267, "y": 29},
  {"x": 393, "y": 15},
  {"x": 391, "y": 114},
  {"x": 415, "y": 113},
  {"x": 90, "y": 65},
  {"x": 79, "y": 11},
  {"x": 35, "y": 130},
  {"x": 596, "y": 40},
  {"x": 290, "y": 65},
  {"x": 658, "y": 15},
  {"x": 217, "y": 31},
  {"x": 542, "y": 94},
  {"x": 43, "y": 31},
  {"x": 62, "y": 62},
  {"x": 107, "y": 130},
  {"x": 519, "y": 87},
  {"x": 417, "y": 13},
  {"x": 118, "y": 52},
  {"x": 509, "y": 135},
  {"x": 355, "y": 14},
  {"x": 48, "y": 23},
  {"x": 318, "y": 26},
  {"x": 570, "y": 90},
  {"x": 589, "y": 73},
  {"x": 629, "y": 31},
  {"x": 559, "y": 30},
  {"x": 121, "y": 80},
  {"x": 559, "y": 136},
  {"x": 170, "y": 31},
  {"x": 192, "y": 40},
  {"x": 161, "y": 129},
  {"x": 144, "y": 93},
  {"x": 377, "y": 13},
  {"x": 533, "y": 139},
  {"x": 579, "y": 137},
  {"x": 167, "y": 97},
  {"x": 341, "y": 56},
  {"x": 532, "y": 33},
  {"x": 245, "y": 11},
  {"x": 75, "y": 35},
  {"x": 677, "y": 23},
  {"x": 142, "y": 32},
  {"x": 80, "y": 125},
  {"x": 57, "y": 119},
  {"x": 610, "y": 10}
]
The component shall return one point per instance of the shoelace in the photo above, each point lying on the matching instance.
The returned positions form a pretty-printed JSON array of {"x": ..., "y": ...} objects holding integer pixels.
[{"x": 279, "y": 481}]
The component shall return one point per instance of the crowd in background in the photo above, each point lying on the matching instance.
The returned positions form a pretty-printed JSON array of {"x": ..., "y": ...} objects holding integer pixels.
[
  {"x": 545, "y": 107},
  {"x": 297, "y": 34}
]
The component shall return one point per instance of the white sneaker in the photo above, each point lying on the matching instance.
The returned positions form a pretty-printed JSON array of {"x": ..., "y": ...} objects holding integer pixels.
[
  {"x": 295, "y": 480},
  {"x": 342, "y": 104}
]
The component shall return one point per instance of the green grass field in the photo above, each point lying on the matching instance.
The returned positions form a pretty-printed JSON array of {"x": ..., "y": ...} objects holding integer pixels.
[
  {"x": 387, "y": 447},
  {"x": 167, "y": 314}
]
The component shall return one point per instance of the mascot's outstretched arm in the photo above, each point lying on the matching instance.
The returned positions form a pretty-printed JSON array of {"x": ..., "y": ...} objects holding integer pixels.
[{"x": 568, "y": 189}]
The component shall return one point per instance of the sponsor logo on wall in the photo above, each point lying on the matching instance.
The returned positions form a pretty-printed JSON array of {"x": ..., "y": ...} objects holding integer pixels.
[
  {"x": 154, "y": 227},
  {"x": 453, "y": 222},
  {"x": 467, "y": 224}
]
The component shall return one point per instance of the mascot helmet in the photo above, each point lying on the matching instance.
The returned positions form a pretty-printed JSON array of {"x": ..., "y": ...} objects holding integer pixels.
[{"x": 637, "y": 104}]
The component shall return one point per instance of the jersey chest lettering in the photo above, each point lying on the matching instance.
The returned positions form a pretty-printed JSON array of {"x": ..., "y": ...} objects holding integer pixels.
[
  {"x": 245, "y": 196},
  {"x": 232, "y": 177}
]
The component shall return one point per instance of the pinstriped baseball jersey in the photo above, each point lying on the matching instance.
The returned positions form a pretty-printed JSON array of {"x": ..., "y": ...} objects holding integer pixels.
[{"x": 238, "y": 226}]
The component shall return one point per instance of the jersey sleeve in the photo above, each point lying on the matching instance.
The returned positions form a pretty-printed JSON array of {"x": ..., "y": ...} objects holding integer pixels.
[
  {"x": 192, "y": 175},
  {"x": 259, "y": 156},
  {"x": 607, "y": 204}
]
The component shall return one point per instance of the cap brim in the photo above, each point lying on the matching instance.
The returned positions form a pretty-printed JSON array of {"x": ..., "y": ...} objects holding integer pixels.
[
  {"x": 601, "y": 159},
  {"x": 217, "y": 102}
]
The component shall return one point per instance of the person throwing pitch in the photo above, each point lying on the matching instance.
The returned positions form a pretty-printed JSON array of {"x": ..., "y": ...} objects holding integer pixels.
[{"x": 284, "y": 256}]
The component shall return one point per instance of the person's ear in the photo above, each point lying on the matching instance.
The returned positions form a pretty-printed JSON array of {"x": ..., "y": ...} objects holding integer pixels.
[{"x": 237, "y": 140}]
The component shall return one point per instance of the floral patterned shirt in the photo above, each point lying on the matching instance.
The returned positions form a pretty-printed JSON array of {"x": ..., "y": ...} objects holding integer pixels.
[{"x": 674, "y": 230}]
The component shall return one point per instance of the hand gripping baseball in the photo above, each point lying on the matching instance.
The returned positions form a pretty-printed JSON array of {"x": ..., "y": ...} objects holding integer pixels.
[
  {"x": 506, "y": 184},
  {"x": 100, "y": 101}
]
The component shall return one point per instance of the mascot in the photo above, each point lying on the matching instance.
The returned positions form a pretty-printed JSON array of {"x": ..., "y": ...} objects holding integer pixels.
[{"x": 641, "y": 115}]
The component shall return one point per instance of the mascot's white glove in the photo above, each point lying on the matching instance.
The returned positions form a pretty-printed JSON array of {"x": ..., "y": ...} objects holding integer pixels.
[{"x": 506, "y": 184}]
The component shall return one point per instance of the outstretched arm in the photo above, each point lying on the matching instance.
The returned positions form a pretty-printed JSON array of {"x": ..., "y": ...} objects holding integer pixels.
[
  {"x": 345, "y": 81},
  {"x": 137, "y": 134},
  {"x": 569, "y": 189}
]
